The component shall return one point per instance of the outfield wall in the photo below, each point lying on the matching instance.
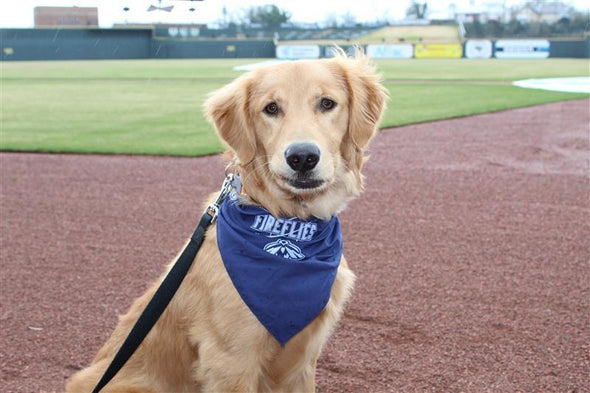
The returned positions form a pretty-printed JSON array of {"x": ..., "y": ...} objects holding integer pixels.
[
  {"x": 67, "y": 44},
  {"x": 95, "y": 43},
  {"x": 171, "y": 49},
  {"x": 91, "y": 44}
]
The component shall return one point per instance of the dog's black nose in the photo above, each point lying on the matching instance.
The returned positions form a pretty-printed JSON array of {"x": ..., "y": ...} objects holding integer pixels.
[{"x": 302, "y": 157}]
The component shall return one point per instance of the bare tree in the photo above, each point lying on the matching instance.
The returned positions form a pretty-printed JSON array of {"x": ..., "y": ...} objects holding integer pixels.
[
  {"x": 268, "y": 15},
  {"x": 348, "y": 19},
  {"x": 417, "y": 9},
  {"x": 331, "y": 20}
]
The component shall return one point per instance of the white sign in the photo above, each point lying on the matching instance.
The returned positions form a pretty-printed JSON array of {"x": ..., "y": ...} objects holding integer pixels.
[
  {"x": 390, "y": 51},
  {"x": 298, "y": 51},
  {"x": 521, "y": 49},
  {"x": 478, "y": 49}
]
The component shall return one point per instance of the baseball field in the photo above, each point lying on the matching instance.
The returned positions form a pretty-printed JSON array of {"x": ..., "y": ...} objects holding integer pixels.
[
  {"x": 155, "y": 106},
  {"x": 470, "y": 244}
]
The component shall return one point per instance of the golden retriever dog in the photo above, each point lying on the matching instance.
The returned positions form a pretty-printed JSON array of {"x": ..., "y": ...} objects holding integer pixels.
[{"x": 296, "y": 133}]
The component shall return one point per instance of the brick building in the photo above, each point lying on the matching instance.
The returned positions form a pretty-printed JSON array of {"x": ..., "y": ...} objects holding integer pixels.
[{"x": 66, "y": 16}]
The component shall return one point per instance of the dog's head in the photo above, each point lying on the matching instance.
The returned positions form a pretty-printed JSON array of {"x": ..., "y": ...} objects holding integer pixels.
[{"x": 297, "y": 131}]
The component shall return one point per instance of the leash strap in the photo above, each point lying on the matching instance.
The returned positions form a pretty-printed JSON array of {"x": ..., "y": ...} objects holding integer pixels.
[{"x": 166, "y": 290}]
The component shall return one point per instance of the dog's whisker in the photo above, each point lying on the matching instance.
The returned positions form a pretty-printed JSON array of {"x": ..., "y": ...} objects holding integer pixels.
[{"x": 264, "y": 167}]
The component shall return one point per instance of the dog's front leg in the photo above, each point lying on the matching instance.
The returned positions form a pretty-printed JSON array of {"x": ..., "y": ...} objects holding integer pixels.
[
  {"x": 302, "y": 381},
  {"x": 233, "y": 368}
]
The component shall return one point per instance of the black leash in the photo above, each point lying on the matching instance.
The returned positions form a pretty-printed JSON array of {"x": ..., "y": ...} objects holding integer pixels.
[{"x": 166, "y": 290}]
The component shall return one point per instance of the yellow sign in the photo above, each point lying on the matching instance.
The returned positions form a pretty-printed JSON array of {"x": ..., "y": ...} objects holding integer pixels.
[{"x": 438, "y": 51}]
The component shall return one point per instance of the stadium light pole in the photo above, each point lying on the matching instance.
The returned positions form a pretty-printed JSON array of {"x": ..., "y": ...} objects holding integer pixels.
[{"x": 159, "y": 7}]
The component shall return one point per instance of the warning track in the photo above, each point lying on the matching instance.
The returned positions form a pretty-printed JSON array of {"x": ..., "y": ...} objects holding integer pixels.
[{"x": 471, "y": 245}]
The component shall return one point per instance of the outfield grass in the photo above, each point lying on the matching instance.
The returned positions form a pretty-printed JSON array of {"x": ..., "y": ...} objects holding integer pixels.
[
  {"x": 491, "y": 70},
  {"x": 108, "y": 116},
  {"x": 155, "y": 106},
  {"x": 415, "y": 103}
]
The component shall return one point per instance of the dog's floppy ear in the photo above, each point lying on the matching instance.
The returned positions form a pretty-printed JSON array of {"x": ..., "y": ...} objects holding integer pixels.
[
  {"x": 367, "y": 97},
  {"x": 227, "y": 109}
]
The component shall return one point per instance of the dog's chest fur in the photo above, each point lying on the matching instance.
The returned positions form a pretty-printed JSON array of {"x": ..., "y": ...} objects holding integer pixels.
[{"x": 215, "y": 316}]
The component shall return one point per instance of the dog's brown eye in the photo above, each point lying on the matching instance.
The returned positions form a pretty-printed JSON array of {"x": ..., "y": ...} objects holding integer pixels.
[
  {"x": 271, "y": 109},
  {"x": 327, "y": 104}
]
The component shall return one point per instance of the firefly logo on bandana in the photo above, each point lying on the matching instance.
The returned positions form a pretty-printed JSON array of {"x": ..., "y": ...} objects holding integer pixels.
[
  {"x": 290, "y": 228},
  {"x": 284, "y": 248}
]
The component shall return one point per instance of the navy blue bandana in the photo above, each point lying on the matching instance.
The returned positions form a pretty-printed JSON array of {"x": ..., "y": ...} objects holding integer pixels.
[{"x": 282, "y": 268}]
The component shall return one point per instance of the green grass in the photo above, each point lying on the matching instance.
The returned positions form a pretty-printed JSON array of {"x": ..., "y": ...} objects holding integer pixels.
[
  {"x": 108, "y": 116},
  {"x": 155, "y": 106},
  {"x": 415, "y": 103},
  {"x": 493, "y": 70}
]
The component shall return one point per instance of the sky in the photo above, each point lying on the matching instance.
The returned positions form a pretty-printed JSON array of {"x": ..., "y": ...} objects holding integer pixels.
[{"x": 20, "y": 13}]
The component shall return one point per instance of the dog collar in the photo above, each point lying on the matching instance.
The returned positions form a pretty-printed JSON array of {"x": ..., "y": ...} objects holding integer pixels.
[{"x": 283, "y": 268}]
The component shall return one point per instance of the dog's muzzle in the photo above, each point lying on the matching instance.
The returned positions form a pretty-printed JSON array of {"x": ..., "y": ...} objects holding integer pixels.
[{"x": 302, "y": 158}]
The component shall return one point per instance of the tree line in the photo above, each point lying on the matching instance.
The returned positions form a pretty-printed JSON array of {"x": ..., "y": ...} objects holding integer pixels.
[
  {"x": 272, "y": 17},
  {"x": 576, "y": 26}
]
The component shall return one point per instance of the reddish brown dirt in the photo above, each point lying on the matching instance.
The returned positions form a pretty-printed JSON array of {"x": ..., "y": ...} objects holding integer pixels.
[{"x": 471, "y": 244}]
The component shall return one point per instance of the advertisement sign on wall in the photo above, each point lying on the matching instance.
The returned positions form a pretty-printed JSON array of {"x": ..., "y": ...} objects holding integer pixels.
[
  {"x": 521, "y": 49},
  {"x": 390, "y": 51},
  {"x": 438, "y": 51},
  {"x": 478, "y": 49},
  {"x": 292, "y": 52}
]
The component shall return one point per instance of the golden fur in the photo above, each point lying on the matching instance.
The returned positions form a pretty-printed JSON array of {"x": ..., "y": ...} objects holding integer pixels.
[{"x": 207, "y": 340}]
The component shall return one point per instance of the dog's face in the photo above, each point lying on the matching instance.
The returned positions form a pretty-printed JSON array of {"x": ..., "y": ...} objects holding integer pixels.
[
  {"x": 298, "y": 129},
  {"x": 300, "y": 114}
]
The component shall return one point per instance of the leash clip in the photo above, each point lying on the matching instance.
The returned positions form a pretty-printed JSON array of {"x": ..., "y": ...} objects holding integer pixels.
[{"x": 213, "y": 208}]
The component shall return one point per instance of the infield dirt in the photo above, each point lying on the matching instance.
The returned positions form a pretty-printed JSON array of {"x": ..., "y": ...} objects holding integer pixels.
[{"x": 471, "y": 245}]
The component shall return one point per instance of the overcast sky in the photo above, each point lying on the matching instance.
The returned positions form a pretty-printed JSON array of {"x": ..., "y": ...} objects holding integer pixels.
[{"x": 19, "y": 13}]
